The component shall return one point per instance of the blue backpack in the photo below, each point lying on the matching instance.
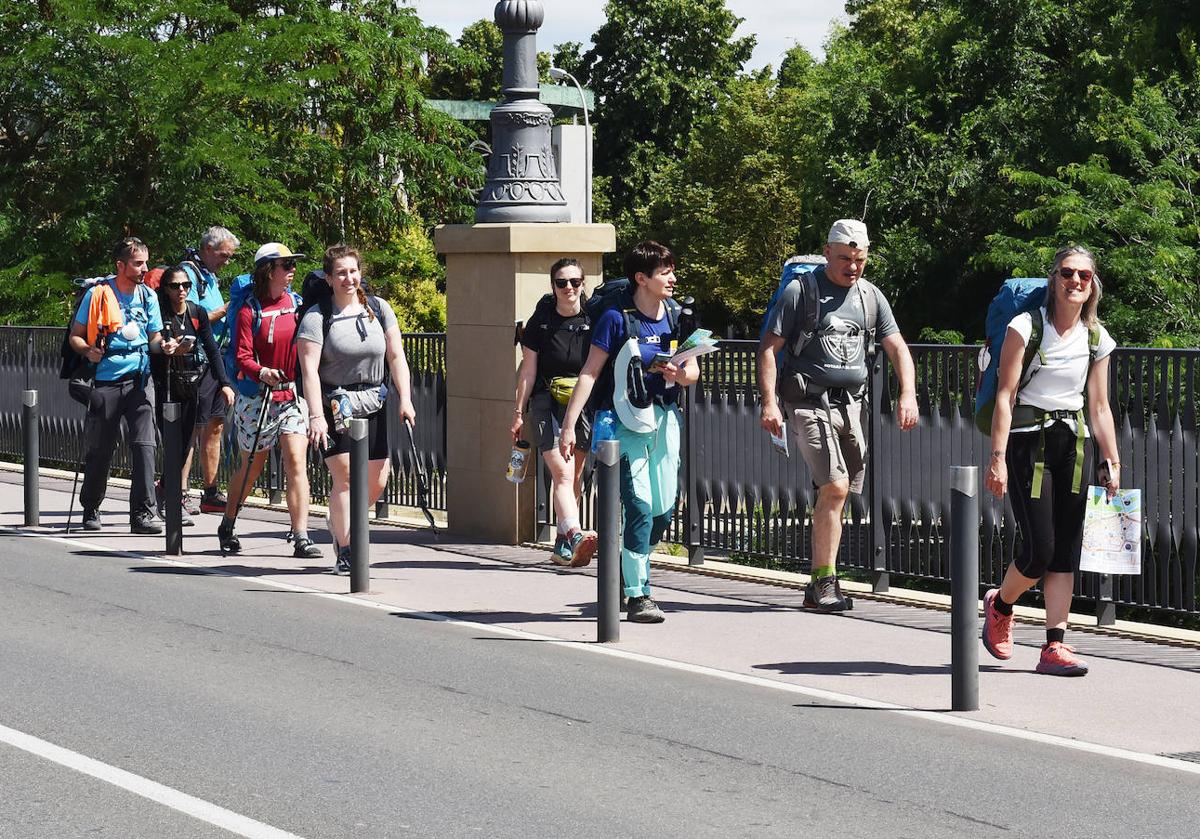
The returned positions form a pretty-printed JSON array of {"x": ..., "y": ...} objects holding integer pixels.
[
  {"x": 241, "y": 293},
  {"x": 1015, "y": 297},
  {"x": 798, "y": 268}
]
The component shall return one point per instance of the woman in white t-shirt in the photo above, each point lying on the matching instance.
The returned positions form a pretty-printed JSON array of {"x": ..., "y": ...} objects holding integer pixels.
[{"x": 1040, "y": 450}]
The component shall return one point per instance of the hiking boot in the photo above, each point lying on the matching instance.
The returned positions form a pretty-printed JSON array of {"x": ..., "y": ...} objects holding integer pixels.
[
  {"x": 561, "y": 555},
  {"x": 825, "y": 595},
  {"x": 144, "y": 523},
  {"x": 1058, "y": 659},
  {"x": 230, "y": 543},
  {"x": 91, "y": 519},
  {"x": 583, "y": 547},
  {"x": 191, "y": 507},
  {"x": 341, "y": 565},
  {"x": 305, "y": 548},
  {"x": 997, "y": 628},
  {"x": 644, "y": 610},
  {"x": 212, "y": 501}
]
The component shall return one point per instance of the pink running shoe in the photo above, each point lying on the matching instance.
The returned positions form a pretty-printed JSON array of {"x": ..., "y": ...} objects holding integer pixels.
[
  {"x": 997, "y": 628},
  {"x": 1058, "y": 659}
]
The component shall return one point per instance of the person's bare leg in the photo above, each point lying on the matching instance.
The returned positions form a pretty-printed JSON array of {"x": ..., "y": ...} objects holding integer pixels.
[
  {"x": 295, "y": 466},
  {"x": 210, "y": 450},
  {"x": 1057, "y": 587},
  {"x": 339, "y": 498},
  {"x": 827, "y": 524}
]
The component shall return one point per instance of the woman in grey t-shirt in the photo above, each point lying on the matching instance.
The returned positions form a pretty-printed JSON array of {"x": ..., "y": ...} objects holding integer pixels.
[{"x": 346, "y": 347}]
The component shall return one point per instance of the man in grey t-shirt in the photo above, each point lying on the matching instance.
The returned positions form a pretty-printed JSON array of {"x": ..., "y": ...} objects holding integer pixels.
[{"x": 822, "y": 388}]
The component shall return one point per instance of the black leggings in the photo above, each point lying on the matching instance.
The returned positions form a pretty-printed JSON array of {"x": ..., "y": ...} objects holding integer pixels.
[{"x": 1051, "y": 526}]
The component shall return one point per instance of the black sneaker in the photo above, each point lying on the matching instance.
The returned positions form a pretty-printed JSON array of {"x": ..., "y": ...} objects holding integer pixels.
[
  {"x": 212, "y": 501},
  {"x": 825, "y": 595},
  {"x": 342, "y": 564},
  {"x": 144, "y": 523},
  {"x": 644, "y": 610},
  {"x": 230, "y": 543},
  {"x": 91, "y": 519},
  {"x": 306, "y": 548}
]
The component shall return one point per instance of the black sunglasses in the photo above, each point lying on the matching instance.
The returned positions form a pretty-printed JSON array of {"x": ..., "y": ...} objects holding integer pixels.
[
  {"x": 563, "y": 283},
  {"x": 180, "y": 286},
  {"x": 286, "y": 264}
]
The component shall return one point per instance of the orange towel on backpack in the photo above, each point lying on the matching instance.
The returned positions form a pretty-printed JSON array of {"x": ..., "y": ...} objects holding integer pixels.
[{"x": 104, "y": 313}]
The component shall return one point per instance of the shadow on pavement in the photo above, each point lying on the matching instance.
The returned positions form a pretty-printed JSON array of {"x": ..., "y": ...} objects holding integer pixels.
[{"x": 853, "y": 668}]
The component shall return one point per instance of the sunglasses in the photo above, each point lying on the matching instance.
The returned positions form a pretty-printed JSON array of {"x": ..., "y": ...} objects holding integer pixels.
[
  {"x": 1085, "y": 275},
  {"x": 563, "y": 283},
  {"x": 286, "y": 264},
  {"x": 180, "y": 286}
]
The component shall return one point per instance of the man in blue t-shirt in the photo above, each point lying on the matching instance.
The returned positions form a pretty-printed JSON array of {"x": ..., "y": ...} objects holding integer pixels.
[
  {"x": 116, "y": 328},
  {"x": 638, "y": 401},
  {"x": 217, "y": 247}
]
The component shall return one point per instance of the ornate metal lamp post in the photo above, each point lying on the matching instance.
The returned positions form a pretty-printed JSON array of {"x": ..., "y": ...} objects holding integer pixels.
[{"x": 522, "y": 183}]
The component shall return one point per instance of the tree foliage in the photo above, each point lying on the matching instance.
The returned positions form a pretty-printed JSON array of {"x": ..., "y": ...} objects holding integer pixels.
[{"x": 300, "y": 121}]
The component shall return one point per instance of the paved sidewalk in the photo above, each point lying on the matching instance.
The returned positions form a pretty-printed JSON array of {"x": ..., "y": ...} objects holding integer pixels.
[{"x": 1139, "y": 696}]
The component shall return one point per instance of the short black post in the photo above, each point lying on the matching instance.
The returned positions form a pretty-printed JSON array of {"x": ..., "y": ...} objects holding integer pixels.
[
  {"x": 29, "y": 423},
  {"x": 608, "y": 527},
  {"x": 172, "y": 479},
  {"x": 1106, "y": 609},
  {"x": 360, "y": 511},
  {"x": 964, "y": 588}
]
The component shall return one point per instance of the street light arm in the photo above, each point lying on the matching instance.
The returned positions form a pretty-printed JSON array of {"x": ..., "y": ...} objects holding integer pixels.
[{"x": 558, "y": 74}]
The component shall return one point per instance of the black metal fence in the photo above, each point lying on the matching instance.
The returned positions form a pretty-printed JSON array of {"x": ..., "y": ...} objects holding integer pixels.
[{"x": 752, "y": 504}]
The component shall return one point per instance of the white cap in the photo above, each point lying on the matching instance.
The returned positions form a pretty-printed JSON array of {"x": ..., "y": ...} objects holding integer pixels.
[
  {"x": 849, "y": 231},
  {"x": 274, "y": 250}
]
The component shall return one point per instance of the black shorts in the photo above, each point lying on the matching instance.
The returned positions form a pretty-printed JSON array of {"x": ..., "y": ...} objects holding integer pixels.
[
  {"x": 209, "y": 403},
  {"x": 377, "y": 436},
  {"x": 545, "y": 423}
]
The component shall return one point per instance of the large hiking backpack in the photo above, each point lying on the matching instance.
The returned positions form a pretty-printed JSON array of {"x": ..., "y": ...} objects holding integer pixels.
[
  {"x": 1015, "y": 297},
  {"x": 798, "y": 268}
]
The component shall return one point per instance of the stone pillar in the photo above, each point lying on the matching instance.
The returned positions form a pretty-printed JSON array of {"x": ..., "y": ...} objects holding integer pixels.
[{"x": 495, "y": 274}]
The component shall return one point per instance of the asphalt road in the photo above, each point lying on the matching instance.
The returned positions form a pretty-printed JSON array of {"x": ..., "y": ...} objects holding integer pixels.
[{"x": 327, "y": 719}]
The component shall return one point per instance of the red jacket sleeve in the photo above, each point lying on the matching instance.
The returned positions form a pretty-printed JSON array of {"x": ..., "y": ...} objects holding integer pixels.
[{"x": 247, "y": 361}]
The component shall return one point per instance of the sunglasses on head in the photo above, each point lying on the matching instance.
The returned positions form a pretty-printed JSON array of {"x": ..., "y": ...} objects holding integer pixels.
[
  {"x": 1085, "y": 275},
  {"x": 184, "y": 286},
  {"x": 286, "y": 264},
  {"x": 575, "y": 283}
]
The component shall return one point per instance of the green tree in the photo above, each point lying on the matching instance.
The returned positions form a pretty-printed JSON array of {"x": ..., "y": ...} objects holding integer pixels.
[
  {"x": 656, "y": 65},
  {"x": 302, "y": 122}
]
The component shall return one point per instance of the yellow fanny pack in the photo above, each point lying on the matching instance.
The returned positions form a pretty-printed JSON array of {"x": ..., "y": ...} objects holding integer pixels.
[{"x": 561, "y": 388}]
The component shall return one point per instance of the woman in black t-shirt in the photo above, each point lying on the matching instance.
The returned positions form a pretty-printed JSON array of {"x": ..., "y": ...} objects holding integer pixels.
[{"x": 555, "y": 344}]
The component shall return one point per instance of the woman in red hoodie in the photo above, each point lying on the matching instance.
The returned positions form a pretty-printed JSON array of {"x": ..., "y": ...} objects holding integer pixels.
[{"x": 266, "y": 353}]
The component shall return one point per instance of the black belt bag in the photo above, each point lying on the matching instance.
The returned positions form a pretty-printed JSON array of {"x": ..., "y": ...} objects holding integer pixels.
[{"x": 795, "y": 388}]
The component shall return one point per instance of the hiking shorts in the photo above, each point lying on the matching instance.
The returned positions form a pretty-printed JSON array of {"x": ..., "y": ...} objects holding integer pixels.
[
  {"x": 545, "y": 423},
  {"x": 210, "y": 404},
  {"x": 836, "y": 452},
  {"x": 283, "y": 417}
]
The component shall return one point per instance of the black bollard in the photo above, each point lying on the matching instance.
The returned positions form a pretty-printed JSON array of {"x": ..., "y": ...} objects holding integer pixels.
[
  {"x": 360, "y": 534},
  {"x": 608, "y": 527},
  {"x": 29, "y": 422},
  {"x": 964, "y": 588},
  {"x": 172, "y": 479}
]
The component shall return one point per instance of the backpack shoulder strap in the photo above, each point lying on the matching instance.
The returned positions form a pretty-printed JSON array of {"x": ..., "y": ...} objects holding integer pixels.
[
  {"x": 810, "y": 302},
  {"x": 868, "y": 296},
  {"x": 673, "y": 311},
  {"x": 1033, "y": 347},
  {"x": 376, "y": 307}
]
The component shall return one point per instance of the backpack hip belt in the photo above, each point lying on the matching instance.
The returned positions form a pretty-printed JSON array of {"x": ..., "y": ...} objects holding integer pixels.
[{"x": 1028, "y": 416}]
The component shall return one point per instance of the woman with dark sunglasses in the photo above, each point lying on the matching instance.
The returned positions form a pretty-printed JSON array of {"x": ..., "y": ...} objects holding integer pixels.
[
  {"x": 554, "y": 346},
  {"x": 1041, "y": 453},
  {"x": 175, "y": 376}
]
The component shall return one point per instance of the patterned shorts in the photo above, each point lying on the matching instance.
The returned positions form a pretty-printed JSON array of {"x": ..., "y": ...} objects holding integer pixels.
[{"x": 282, "y": 418}]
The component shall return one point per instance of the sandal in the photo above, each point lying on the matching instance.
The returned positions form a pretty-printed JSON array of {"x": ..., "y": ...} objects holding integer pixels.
[{"x": 306, "y": 548}]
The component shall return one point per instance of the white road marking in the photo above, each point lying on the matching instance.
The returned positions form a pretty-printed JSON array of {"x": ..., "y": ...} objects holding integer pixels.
[
  {"x": 190, "y": 805},
  {"x": 698, "y": 669}
]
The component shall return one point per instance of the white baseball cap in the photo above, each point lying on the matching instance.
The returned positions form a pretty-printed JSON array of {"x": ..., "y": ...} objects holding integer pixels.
[
  {"x": 849, "y": 231},
  {"x": 274, "y": 250}
]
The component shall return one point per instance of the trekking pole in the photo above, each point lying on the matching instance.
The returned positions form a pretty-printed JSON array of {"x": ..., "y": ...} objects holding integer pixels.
[
  {"x": 422, "y": 480},
  {"x": 29, "y": 422},
  {"x": 608, "y": 524},
  {"x": 964, "y": 588},
  {"x": 360, "y": 532},
  {"x": 264, "y": 394}
]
